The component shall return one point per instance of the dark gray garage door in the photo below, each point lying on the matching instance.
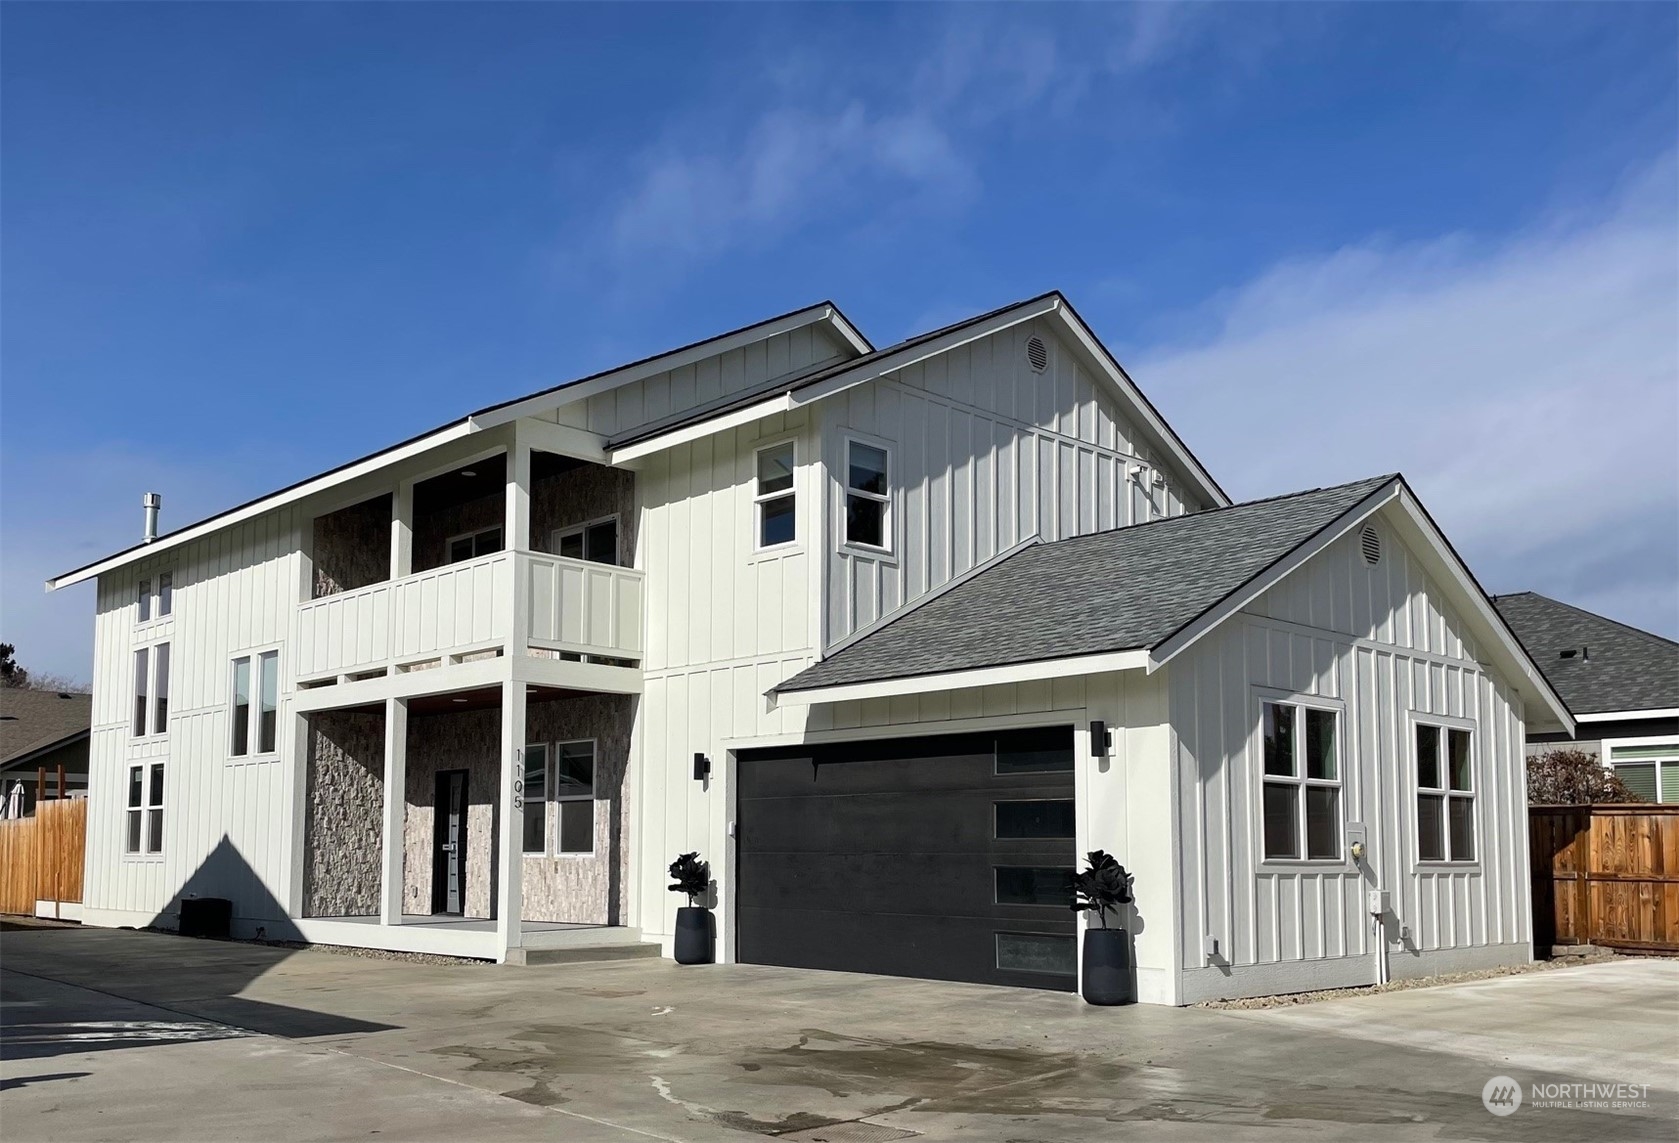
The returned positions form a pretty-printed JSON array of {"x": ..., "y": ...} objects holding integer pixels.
[{"x": 946, "y": 857}]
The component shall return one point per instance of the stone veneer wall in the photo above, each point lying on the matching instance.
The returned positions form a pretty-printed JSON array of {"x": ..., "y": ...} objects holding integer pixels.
[
  {"x": 346, "y": 794},
  {"x": 590, "y": 889},
  {"x": 576, "y": 496},
  {"x": 352, "y": 547},
  {"x": 470, "y": 741}
]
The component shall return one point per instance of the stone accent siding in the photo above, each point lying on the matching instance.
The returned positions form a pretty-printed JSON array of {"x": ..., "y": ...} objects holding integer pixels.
[
  {"x": 470, "y": 741},
  {"x": 352, "y": 547},
  {"x": 346, "y": 794}
]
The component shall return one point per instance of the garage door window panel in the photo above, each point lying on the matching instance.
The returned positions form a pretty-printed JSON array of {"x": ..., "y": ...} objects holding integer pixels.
[
  {"x": 1037, "y": 952},
  {"x": 1028, "y": 821}
]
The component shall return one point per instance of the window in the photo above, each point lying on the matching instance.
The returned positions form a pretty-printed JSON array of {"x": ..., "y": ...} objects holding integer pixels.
[
  {"x": 1034, "y": 885},
  {"x": 596, "y": 541},
  {"x": 141, "y": 678},
  {"x": 474, "y": 544},
  {"x": 1037, "y": 952},
  {"x": 867, "y": 496},
  {"x": 145, "y": 600},
  {"x": 145, "y": 809},
  {"x": 774, "y": 500},
  {"x": 151, "y": 690},
  {"x": 165, "y": 594},
  {"x": 1648, "y": 767},
  {"x": 535, "y": 795},
  {"x": 574, "y": 790},
  {"x": 1302, "y": 783},
  {"x": 1445, "y": 794},
  {"x": 160, "y": 688},
  {"x": 1025, "y": 820},
  {"x": 158, "y": 604},
  {"x": 255, "y": 678}
]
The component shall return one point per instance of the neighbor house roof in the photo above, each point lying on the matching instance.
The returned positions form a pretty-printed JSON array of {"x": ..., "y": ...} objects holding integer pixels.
[
  {"x": 32, "y": 722},
  {"x": 1596, "y": 664},
  {"x": 1125, "y": 589}
]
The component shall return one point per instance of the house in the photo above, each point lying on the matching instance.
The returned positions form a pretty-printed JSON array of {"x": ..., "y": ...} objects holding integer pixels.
[
  {"x": 43, "y": 743},
  {"x": 891, "y": 636},
  {"x": 1621, "y": 684}
]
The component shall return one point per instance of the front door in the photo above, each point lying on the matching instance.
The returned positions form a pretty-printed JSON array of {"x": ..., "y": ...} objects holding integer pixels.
[{"x": 448, "y": 881}]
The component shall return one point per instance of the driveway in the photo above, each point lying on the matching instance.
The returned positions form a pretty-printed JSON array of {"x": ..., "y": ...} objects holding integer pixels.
[{"x": 122, "y": 1035}]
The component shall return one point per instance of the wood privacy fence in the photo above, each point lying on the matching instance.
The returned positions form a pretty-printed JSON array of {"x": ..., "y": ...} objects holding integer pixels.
[
  {"x": 1605, "y": 875},
  {"x": 41, "y": 856}
]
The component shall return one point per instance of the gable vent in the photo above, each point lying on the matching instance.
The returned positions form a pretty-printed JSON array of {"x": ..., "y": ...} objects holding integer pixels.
[
  {"x": 1371, "y": 543},
  {"x": 1037, "y": 354}
]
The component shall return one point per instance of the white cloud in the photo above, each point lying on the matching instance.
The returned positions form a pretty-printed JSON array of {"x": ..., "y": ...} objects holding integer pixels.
[{"x": 1529, "y": 389}]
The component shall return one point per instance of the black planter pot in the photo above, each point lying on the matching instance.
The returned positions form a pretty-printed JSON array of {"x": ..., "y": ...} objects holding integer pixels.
[
  {"x": 1107, "y": 967},
  {"x": 695, "y": 936}
]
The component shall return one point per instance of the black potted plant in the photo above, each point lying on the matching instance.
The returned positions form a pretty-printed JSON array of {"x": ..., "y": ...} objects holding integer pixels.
[
  {"x": 1107, "y": 952},
  {"x": 694, "y": 934}
]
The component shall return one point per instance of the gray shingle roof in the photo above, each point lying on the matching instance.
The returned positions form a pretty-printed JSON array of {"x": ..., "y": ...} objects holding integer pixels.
[
  {"x": 1110, "y": 591},
  {"x": 1615, "y": 667},
  {"x": 32, "y": 720}
]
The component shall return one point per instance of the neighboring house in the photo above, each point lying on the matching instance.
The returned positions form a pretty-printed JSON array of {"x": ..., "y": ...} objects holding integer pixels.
[
  {"x": 891, "y": 636},
  {"x": 41, "y": 731},
  {"x": 1621, "y": 684}
]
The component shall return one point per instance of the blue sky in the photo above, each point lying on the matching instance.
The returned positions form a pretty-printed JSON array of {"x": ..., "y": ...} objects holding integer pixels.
[{"x": 243, "y": 243}]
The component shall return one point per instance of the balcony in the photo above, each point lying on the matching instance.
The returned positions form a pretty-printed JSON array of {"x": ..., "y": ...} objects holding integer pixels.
[{"x": 465, "y": 612}]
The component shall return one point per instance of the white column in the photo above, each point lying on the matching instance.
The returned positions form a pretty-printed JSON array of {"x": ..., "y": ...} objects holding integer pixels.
[
  {"x": 402, "y": 529},
  {"x": 510, "y": 893},
  {"x": 396, "y": 805}
]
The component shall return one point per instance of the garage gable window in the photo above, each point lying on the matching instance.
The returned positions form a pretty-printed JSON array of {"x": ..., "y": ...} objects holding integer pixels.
[
  {"x": 868, "y": 496},
  {"x": 1445, "y": 794},
  {"x": 1302, "y": 783},
  {"x": 774, "y": 500}
]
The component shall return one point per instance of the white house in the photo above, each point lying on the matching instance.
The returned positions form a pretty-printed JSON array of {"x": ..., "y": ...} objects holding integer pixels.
[{"x": 890, "y": 636}]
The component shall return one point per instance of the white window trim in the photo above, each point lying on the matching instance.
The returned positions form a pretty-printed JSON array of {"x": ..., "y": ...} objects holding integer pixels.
[
  {"x": 154, "y": 599},
  {"x": 1336, "y": 707},
  {"x": 1415, "y": 789},
  {"x": 559, "y": 534},
  {"x": 888, "y": 522},
  {"x": 449, "y": 544},
  {"x": 151, "y": 733},
  {"x": 760, "y": 498},
  {"x": 555, "y": 798},
  {"x": 145, "y": 852},
  {"x": 1608, "y": 746},
  {"x": 254, "y": 728}
]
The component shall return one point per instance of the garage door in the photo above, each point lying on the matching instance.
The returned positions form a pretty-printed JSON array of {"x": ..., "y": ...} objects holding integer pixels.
[{"x": 947, "y": 857}]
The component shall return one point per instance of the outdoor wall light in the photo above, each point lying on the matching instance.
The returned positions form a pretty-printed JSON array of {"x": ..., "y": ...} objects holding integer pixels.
[
  {"x": 1099, "y": 739},
  {"x": 702, "y": 767}
]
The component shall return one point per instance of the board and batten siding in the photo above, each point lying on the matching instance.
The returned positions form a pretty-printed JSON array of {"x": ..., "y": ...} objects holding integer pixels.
[
  {"x": 1378, "y": 642},
  {"x": 228, "y": 822},
  {"x": 984, "y": 453},
  {"x": 637, "y": 403}
]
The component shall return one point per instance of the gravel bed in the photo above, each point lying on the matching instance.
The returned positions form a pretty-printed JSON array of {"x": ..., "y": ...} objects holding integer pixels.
[{"x": 1596, "y": 956}]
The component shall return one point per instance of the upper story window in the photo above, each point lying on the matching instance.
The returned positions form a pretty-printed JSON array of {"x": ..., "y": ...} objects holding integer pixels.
[
  {"x": 1302, "y": 783},
  {"x": 145, "y": 809},
  {"x": 255, "y": 711},
  {"x": 1445, "y": 794},
  {"x": 151, "y": 690},
  {"x": 773, "y": 500},
  {"x": 596, "y": 541},
  {"x": 474, "y": 544},
  {"x": 156, "y": 598},
  {"x": 868, "y": 498}
]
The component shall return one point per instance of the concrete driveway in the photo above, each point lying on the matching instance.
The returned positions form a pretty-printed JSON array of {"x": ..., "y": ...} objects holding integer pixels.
[{"x": 120, "y": 1035}]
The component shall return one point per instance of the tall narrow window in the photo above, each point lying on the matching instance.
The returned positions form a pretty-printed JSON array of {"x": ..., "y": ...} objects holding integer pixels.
[
  {"x": 145, "y": 600},
  {"x": 774, "y": 500},
  {"x": 867, "y": 496},
  {"x": 1301, "y": 797},
  {"x": 1445, "y": 794},
  {"x": 140, "y": 664},
  {"x": 268, "y": 675},
  {"x": 240, "y": 744},
  {"x": 166, "y": 594},
  {"x": 535, "y": 796},
  {"x": 154, "y": 809},
  {"x": 143, "y": 829},
  {"x": 574, "y": 790},
  {"x": 136, "y": 809},
  {"x": 160, "y": 688}
]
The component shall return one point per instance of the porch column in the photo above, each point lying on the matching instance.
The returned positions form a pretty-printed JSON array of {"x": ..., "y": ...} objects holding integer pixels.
[
  {"x": 517, "y": 527},
  {"x": 510, "y": 892},
  {"x": 396, "y": 802},
  {"x": 402, "y": 529}
]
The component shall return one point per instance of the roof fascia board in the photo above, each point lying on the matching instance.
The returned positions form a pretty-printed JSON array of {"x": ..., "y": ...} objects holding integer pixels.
[
  {"x": 676, "y": 359},
  {"x": 957, "y": 680},
  {"x": 1187, "y": 635},
  {"x": 1164, "y": 436},
  {"x": 312, "y": 487},
  {"x": 1628, "y": 715},
  {"x": 782, "y": 403}
]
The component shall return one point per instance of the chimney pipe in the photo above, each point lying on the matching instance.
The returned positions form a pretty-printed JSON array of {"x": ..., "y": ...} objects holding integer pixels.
[{"x": 153, "y": 501}]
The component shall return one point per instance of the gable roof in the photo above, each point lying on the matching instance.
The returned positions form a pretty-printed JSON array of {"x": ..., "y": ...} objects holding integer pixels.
[
  {"x": 473, "y": 422},
  {"x": 1140, "y": 595},
  {"x": 1614, "y": 667},
  {"x": 34, "y": 721},
  {"x": 786, "y": 393}
]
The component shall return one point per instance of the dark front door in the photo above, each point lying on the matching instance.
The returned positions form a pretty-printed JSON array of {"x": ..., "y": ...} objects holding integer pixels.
[
  {"x": 448, "y": 881},
  {"x": 948, "y": 857}
]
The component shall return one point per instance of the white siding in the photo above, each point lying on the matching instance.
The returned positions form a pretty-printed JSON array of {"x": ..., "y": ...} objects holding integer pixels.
[
  {"x": 1379, "y": 640},
  {"x": 985, "y": 453}
]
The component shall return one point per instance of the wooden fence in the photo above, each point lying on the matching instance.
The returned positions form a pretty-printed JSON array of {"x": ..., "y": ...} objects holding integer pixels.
[
  {"x": 1605, "y": 875},
  {"x": 41, "y": 856}
]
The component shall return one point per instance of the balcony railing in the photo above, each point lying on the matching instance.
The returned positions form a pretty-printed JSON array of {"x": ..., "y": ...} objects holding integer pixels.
[{"x": 575, "y": 607}]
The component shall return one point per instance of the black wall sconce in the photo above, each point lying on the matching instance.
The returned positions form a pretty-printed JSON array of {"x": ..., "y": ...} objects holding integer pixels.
[
  {"x": 1099, "y": 741},
  {"x": 702, "y": 767}
]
